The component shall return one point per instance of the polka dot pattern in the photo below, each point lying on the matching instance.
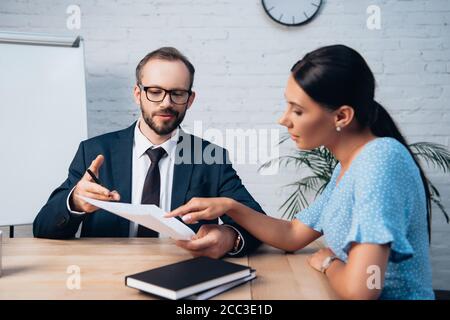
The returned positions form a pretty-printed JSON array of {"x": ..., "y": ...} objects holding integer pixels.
[{"x": 379, "y": 200}]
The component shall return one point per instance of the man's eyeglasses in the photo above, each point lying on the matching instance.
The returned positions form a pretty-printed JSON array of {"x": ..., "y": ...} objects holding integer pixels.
[{"x": 157, "y": 94}]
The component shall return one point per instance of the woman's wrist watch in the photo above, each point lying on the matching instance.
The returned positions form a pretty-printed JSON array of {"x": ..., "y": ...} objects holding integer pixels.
[
  {"x": 327, "y": 263},
  {"x": 237, "y": 243}
]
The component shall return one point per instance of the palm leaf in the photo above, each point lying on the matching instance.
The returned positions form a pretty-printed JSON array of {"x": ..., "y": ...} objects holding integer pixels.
[
  {"x": 294, "y": 203},
  {"x": 435, "y": 155},
  {"x": 436, "y": 199}
]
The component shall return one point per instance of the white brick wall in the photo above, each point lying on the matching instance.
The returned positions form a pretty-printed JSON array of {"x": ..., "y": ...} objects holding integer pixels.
[{"x": 243, "y": 59}]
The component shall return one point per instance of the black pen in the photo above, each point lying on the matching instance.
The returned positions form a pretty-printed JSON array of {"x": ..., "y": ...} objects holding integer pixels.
[
  {"x": 98, "y": 181},
  {"x": 94, "y": 177}
]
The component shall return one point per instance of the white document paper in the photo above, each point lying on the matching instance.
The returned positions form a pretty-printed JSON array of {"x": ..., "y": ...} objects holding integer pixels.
[{"x": 147, "y": 215}]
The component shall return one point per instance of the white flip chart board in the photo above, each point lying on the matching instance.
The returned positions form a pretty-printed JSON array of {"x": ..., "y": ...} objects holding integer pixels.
[{"x": 42, "y": 119}]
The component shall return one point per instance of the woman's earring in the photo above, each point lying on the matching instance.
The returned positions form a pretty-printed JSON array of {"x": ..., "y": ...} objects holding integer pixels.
[{"x": 338, "y": 129}]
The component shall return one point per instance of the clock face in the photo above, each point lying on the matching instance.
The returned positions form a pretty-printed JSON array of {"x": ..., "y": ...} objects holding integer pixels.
[{"x": 291, "y": 12}]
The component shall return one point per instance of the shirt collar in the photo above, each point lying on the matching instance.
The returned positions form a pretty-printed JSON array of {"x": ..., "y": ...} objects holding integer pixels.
[{"x": 141, "y": 143}]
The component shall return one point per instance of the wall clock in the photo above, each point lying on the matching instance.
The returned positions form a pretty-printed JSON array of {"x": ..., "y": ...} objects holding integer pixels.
[{"x": 291, "y": 12}]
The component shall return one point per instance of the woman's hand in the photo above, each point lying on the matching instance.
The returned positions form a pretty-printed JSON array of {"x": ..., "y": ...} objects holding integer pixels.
[{"x": 202, "y": 209}]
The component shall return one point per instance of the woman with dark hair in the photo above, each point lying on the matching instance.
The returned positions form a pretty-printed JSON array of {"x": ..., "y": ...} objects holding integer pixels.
[{"x": 374, "y": 213}]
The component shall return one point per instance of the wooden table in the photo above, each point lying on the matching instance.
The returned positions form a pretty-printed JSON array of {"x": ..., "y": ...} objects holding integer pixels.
[{"x": 41, "y": 269}]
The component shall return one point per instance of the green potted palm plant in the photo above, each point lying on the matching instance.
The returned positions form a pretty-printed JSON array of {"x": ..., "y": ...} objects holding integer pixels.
[{"x": 320, "y": 164}]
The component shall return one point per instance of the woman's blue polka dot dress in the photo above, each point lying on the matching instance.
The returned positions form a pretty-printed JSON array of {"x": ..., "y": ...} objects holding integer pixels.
[{"x": 381, "y": 200}]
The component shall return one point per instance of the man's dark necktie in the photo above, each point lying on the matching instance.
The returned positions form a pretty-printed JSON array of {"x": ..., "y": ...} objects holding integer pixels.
[{"x": 152, "y": 186}]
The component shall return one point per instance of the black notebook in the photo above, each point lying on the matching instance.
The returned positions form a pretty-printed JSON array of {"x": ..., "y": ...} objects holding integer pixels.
[
  {"x": 204, "y": 295},
  {"x": 185, "y": 278}
]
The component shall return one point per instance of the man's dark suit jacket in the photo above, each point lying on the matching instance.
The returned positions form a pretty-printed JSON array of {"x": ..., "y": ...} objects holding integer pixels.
[{"x": 194, "y": 177}]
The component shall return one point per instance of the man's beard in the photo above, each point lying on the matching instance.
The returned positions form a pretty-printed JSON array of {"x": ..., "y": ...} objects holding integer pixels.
[{"x": 165, "y": 127}]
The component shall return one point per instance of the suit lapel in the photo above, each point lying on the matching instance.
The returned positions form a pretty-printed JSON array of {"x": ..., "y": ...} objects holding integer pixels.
[
  {"x": 121, "y": 163},
  {"x": 182, "y": 169},
  {"x": 121, "y": 166}
]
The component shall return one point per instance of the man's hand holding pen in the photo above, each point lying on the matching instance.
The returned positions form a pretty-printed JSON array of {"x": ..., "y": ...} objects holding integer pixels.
[{"x": 89, "y": 186}]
